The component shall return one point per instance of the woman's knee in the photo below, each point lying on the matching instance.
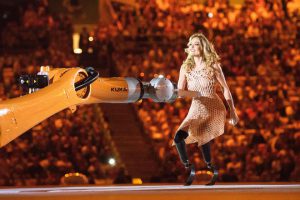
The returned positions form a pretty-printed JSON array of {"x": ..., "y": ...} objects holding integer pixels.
[{"x": 180, "y": 136}]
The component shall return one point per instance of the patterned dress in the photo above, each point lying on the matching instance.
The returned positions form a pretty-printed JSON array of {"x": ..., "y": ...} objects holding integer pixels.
[{"x": 207, "y": 115}]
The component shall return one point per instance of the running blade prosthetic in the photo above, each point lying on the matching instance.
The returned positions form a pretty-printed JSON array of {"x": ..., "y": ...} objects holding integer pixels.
[
  {"x": 214, "y": 177},
  {"x": 191, "y": 176}
]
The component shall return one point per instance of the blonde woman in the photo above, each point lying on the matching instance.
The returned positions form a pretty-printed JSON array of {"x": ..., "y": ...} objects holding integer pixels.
[{"x": 201, "y": 72}]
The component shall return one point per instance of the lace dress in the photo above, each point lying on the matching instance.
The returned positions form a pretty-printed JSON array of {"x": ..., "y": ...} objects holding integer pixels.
[{"x": 207, "y": 115}]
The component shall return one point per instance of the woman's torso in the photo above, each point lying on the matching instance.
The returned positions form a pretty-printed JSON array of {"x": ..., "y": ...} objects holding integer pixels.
[{"x": 202, "y": 80}]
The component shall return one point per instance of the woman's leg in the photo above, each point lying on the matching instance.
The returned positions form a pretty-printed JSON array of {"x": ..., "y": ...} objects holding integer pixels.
[
  {"x": 206, "y": 153},
  {"x": 180, "y": 136},
  {"x": 207, "y": 157}
]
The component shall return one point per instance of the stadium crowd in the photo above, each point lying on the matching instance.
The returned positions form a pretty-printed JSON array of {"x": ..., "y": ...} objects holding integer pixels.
[
  {"x": 259, "y": 49},
  {"x": 66, "y": 142}
]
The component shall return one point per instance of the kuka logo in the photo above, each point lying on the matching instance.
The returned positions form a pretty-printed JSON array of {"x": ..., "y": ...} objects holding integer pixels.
[{"x": 118, "y": 89}]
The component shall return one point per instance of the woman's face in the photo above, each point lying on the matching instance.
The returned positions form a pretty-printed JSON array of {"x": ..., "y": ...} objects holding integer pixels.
[{"x": 194, "y": 47}]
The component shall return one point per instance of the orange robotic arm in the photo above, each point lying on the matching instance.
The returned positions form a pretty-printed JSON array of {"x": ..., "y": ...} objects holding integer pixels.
[
  {"x": 69, "y": 87},
  {"x": 66, "y": 88}
]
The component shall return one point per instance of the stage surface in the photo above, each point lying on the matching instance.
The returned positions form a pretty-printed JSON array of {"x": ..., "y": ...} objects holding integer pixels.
[{"x": 220, "y": 191}]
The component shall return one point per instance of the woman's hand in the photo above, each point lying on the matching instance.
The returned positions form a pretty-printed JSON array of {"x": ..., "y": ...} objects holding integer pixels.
[{"x": 233, "y": 120}]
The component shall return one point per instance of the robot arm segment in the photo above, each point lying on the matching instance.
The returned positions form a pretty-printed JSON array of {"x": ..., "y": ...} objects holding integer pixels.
[{"x": 18, "y": 115}]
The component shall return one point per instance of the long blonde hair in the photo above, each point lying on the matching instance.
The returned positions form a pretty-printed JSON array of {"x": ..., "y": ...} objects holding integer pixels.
[{"x": 207, "y": 51}]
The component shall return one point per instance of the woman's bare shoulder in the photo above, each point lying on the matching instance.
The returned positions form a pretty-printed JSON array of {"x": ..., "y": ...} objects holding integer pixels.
[
  {"x": 183, "y": 69},
  {"x": 217, "y": 67}
]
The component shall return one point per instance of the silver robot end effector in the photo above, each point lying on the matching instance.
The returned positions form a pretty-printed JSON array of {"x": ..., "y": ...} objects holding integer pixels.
[{"x": 160, "y": 90}]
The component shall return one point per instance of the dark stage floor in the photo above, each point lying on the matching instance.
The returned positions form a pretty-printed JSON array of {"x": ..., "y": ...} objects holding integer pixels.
[{"x": 259, "y": 191}]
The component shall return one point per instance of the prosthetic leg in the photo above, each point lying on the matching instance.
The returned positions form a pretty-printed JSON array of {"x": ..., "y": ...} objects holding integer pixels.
[
  {"x": 181, "y": 148},
  {"x": 206, "y": 155}
]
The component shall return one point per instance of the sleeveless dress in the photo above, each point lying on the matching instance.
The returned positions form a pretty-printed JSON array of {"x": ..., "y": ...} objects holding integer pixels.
[{"x": 207, "y": 115}]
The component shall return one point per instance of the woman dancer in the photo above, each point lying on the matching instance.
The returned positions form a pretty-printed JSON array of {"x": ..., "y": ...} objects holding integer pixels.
[{"x": 201, "y": 71}]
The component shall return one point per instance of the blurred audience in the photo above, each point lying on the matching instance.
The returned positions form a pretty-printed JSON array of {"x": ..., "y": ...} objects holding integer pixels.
[
  {"x": 64, "y": 143},
  {"x": 258, "y": 43}
]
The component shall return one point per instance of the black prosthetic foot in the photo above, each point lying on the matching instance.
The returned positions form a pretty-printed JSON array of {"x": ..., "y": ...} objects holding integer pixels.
[
  {"x": 191, "y": 174},
  {"x": 215, "y": 175}
]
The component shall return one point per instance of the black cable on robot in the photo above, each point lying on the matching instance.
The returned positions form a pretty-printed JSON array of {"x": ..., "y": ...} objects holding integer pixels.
[{"x": 92, "y": 76}]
